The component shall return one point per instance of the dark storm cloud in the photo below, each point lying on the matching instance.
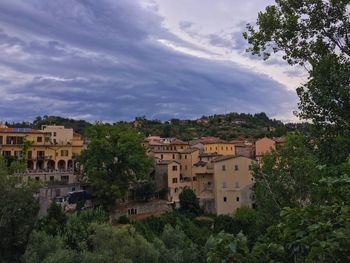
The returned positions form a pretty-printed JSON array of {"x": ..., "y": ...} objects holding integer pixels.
[{"x": 101, "y": 60}]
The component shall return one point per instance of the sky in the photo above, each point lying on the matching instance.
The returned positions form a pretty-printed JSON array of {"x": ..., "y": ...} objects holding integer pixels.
[{"x": 112, "y": 60}]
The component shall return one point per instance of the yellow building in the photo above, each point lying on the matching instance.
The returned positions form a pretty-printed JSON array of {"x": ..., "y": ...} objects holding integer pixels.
[
  {"x": 220, "y": 147},
  {"x": 54, "y": 148},
  {"x": 185, "y": 177},
  {"x": 224, "y": 183}
]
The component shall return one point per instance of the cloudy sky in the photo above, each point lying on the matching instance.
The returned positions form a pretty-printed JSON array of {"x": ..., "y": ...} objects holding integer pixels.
[{"x": 113, "y": 60}]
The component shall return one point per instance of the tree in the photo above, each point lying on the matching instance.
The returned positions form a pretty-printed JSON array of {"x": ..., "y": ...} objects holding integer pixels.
[
  {"x": 175, "y": 246},
  {"x": 55, "y": 220},
  {"x": 189, "y": 202},
  {"x": 286, "y": 177},
  {"x": 304, "y": 31},
  {"x": 315, "y": 34},
  {"x": 113, "y": 159},
  {"x": 145, "y": 190},
  {"x": 18, "y": 213},
  {"x": 227, "y": 248}
]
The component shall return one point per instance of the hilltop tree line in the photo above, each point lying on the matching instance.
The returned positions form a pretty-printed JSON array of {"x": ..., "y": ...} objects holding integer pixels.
[{"x": 225, "y": 126}]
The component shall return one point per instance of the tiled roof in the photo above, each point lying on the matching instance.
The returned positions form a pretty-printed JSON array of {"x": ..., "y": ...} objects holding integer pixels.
[
  {"x": 218, "y": 141},
  {"x": 164, "y": 151},
  {"x": 200, "y": 163},
  {"x": 176, "y": 141},
  {"x": 223, "y": 158},
  {"x": 188, "y": 150},
  {"x": 209, "y": 154},
  {"x": 165, "y": 162}
]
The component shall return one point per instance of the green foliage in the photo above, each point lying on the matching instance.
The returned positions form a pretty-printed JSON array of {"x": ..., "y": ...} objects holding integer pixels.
[
  {"x": 286, "y": 178},
  {"x": 113, "y": 159},
  {"x": 225, "y": 126},
  {"x": 123, "y": 220},
  {"x": 244, "y": 220},
  {"x": 153, "y": 227},
  {"x": 317, "y": 233},
  {"x": 145, "y": 190},
  {"x": 303, "y": 30},
  {"x": 225, "y": 248},
  {"x": 189, "y": 203},
  {"x": 105, "y": 244},
  {"x": 18, "y": 213},
  {"x": 55, "y": 220},
  {"x": 175, "y": 246}
]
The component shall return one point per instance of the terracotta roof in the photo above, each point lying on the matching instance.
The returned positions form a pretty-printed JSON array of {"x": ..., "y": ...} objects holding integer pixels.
[
  {"x": 209, "y": 154},
  {"x": 20, "y": 130},
  {"x": 164, "y": 151},
  {"x": 154, "y": 143},
  {"x": 200, "y": 163},
  {"x": 188, "y": 150},
  {"x": 176, "y": 141},
  {"x": 218, "y": 141},
  {"x": 203, "y": 140},
  {"x": 223, "y": 158},
  {"x": 166, "y": 162}
]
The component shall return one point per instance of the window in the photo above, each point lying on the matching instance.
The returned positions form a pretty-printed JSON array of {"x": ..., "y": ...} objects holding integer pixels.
[
  {"x": 132, "y": 211},
  {"x": 194, "y": 178},
  {"x": 58, "y": 192},
  {"x": 186, "y": 156},
  {"x": 174, "y": 180},
  {"x": 39, "y": 139},
  {"x": 224, "y": 167},
  {"x": 209, "y": 183},
  {"x": 29, "y": 154},
  {"x": 173, "y": 156},
  {"x": 174, "y": 168},
  {"x": 73, "y": 188},
  {"x": 6, "y": 153},
  {"x": 237, "y": 184},
  {"x": 180, "y": 157},
  {"x": 40, "y": 154},
  {"x": 18, "y": 154},
  {"x": 54, "y": 134},
  {"x": 237, "y": 199},
  {"x": 65, "y": 178},
  {"x": 225, "y": 199},
  {"x": 52, "y": 178},
  {"x": 64, "y": 152},
  {"x": 14, "y": 140},
  {"x": 226, "y": 148},
  {"x": 37, "y": 178},
  {"x": 236, "y": 167},
  {"x": 224, "y": 185},
  {"x": 222, "y": 148},
  {"x": 1, "y": 140},
  {"x": 161, "y": 156}
]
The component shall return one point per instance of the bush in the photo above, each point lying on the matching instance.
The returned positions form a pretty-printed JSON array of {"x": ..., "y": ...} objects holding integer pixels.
[{"x": 123, "y": 220}]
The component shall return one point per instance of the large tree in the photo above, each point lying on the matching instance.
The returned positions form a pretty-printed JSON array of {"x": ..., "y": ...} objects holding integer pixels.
[
  {"x": 315, "y": 34},
  {"x": 18, "y": 212},
  {"x": 113, "y": 160}
]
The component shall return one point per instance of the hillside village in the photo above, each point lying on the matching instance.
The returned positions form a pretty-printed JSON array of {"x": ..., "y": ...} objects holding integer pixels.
[{"x": 218, "y": 171}]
